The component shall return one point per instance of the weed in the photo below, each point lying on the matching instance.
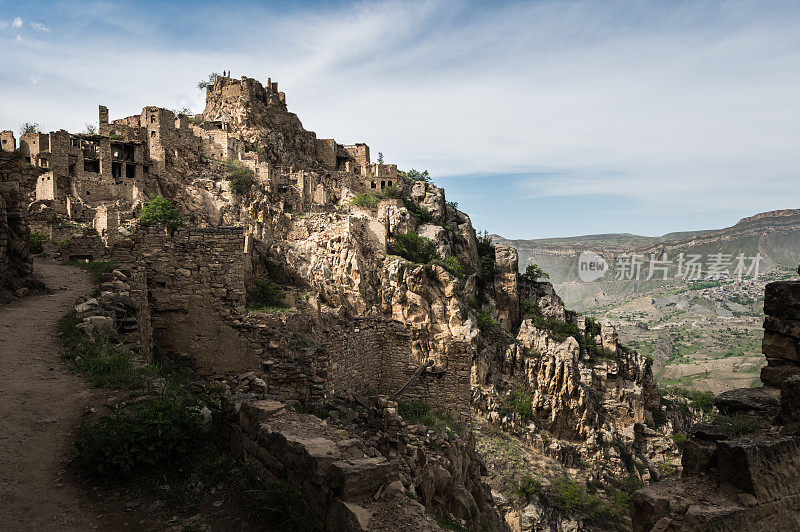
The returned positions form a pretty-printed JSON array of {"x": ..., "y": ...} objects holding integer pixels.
[
  {"x": 528, "y": 487},
  {"x": 157, "y": 434},
  {"x": 448, "y": 522}
]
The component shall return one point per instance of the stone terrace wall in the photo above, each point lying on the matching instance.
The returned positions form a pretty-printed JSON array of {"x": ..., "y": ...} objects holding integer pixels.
[
  {"x": 195, "y": 281},
  {"x": 781, "y": 332}
]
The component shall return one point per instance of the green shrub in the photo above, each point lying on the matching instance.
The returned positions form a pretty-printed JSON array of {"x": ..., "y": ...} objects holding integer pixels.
[
  {"x": 417, "y": 411},
  {"x": 679, "y": 439},
  {"x": 264, "y": 294},
  {"x": 413, "y": 248},
  {"x": 667, "y": 469},
  {"x": 521, "y": 402},
  {"x": 36, "y": 241},
  {"x": 453, "y": 204},
  {"x": 160, "y": 211},
  {"x": 240, "y": 177},
  {"x": 416, "y": 175},
  {"x": 533, "y": 273},
  {"x": 156, "y": 434},
  {"x": 454, "y": 266},
  {"x": 367, "y": 201},
  {"x": 528, "y": 488},
  {"x": 390, "y": 192},
  {"x": 485, "y": 320}
]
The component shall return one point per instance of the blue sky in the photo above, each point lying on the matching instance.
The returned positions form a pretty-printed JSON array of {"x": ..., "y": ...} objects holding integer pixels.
[{"x": 541, "y": 119}]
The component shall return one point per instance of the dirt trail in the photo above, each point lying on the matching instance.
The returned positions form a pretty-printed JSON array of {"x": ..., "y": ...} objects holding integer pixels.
[{"x": 40, "y": 403}]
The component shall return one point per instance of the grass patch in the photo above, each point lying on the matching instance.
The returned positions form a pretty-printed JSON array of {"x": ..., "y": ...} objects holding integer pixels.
[
  {"x": 419, "y": 411},
  {"x": 102, "y": 363},
  {"x": 738, "y": 424},
  {"x": 521, "y": 402},
  {"x": 528, "y": 488}
]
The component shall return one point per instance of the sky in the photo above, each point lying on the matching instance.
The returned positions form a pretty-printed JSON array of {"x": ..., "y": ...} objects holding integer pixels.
[{"x": 541, "y": 119}]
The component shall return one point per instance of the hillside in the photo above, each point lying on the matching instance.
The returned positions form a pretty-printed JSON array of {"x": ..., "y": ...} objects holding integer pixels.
[{"x": 701, "y": 334}]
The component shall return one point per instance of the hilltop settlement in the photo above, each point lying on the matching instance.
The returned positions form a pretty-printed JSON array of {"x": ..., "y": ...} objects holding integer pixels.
[{"x": 368, "y": 350}]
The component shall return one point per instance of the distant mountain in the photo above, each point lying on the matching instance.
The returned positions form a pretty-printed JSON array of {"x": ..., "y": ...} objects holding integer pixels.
[
  {"x": 702, "y": 335},
  {"x": 774, "y": 234}
]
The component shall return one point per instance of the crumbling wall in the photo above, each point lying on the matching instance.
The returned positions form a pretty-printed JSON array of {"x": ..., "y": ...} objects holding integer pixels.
[
  {"x": 16, "y": 266},
  {"x": 195, "y": 282}
]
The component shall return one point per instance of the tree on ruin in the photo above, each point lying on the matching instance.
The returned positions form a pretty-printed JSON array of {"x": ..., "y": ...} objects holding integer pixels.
[
  {"x": 28, "y": 127},
  {"x": 416, "y": 175},
  {"x": 90, "y": 129},
  {"x": 212, "y": 78},
  {"x": 160, "y": 211},
  {"x": 380, "y": 157}
]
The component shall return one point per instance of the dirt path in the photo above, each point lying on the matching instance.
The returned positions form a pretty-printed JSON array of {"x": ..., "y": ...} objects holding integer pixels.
[{"x": 40, "y": 403}]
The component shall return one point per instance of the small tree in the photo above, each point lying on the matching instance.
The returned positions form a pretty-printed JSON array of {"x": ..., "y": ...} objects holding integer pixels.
[
  {"x": 414, "y": 248},
  {"x": 380, "y": 158},
  {"x": 160, "y": 211},
  {"x": 240, "y": 177},
  {"x": 28, "y": 127},
  {"x": 212, "y": 78},
  {"x": 90, "y": 129},
  {"x": 533, "y": 273},
  {"x": 416, "y": 175}
]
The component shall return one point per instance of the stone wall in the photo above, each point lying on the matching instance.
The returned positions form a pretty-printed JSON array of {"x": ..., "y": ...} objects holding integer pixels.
[
  {"x": 16, "y": 266},
  {"x": 195, "y": 282}
]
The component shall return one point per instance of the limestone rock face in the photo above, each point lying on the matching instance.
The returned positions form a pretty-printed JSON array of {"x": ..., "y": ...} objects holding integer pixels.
[{"x": 505, "y": 286}]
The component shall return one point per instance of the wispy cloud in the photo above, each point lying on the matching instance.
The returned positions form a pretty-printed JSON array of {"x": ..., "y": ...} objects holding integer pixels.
[
  {"x": 40, "y": 27},
  {"x": 16, "y": 23},
  {"x": 689, "y": 106}
]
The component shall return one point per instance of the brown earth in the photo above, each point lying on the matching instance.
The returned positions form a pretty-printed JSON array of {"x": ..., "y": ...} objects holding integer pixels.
[{"x": 40, "y": 404}]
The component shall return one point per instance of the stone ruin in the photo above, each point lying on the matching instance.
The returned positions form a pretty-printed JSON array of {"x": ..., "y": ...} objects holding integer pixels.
[{"x": 362, "y": 321}]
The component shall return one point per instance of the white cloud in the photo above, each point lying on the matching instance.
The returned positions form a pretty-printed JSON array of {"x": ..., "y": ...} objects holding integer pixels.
[
  {"x": 18, "y": 38},
  {"x": 16, "y": 23},
  {"x": 667, "y": 103},
  {"x": 40, "y": 27}
]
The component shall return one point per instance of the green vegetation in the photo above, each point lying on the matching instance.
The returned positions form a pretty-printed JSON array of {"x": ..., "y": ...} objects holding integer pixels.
[
  {"x": 521, "y": 402},
  {"x": 413, "y": 248},
  {"x": 380, "y": 157},
  {"x": 36, "y": 241},
  {"x": 264, "y": 295},
  {"x": 160, "y": 211},
  {"x": 102, "y": 364},
  {"x": 572, "y": 498},
  {"x": 114, "y": 137},
  {"x": 367, "y": 201},
  {"x": 738, "y": 424},
  {"x": 486, "y": 258},
  {"x": 28, "y": 127},
  {"x": 416, "y": 175},
  {"x": 561, "y": 330},
  {"x": 679, "y": 439},
  {"x": 390, "y": 192},
  {"x": 702, "y": 401},
  {"x": 485, "y": 320},
  {"x": 212, "y": 78},
  {"x": 418, "y": 411},
  {"x": 454, "y": 266},
  {"x": 448, "y": 522},
  {"x": 276, "y": 503},
  {"x": 90, "y": 129},
  {"x": 667, "y": 469},
  {"x": 240, "y": 177},
  {"x": 420, "y": 212},
  {"x": 155, "y": 435},
  {"x": 533, "y": 273},
  {"x": 528, "y": 487},
  {"x": 453, "y": 204}
]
